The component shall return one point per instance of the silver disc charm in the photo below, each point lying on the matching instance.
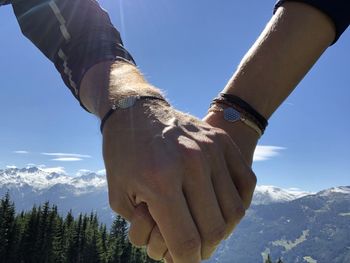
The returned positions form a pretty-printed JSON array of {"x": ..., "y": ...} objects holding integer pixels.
[
  {"x": 127, "y": 102},
  {"x": 231, "y": 115}
]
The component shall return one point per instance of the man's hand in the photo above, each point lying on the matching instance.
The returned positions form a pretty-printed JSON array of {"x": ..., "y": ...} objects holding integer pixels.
[{"x": 188, "y": 175}]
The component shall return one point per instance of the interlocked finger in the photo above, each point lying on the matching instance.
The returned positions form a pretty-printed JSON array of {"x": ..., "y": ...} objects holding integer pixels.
[
  {"x": 229, "y": 199},
  {"x": 168, "y": 258},
  {"x": 141, "y": 226},
  {"x": 156, "y": 248},
  {"x": 205, "y": 209},
  {"x": 242, "y": 175}
]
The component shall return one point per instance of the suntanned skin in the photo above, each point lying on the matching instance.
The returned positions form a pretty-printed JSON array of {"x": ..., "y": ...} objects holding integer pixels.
[
  {"x": 163, "y": 195},
  {"x": 293, "y": 40},
  {"x": 167, "y": 171}
]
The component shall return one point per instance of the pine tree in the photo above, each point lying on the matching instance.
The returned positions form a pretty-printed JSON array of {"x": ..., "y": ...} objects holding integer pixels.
[
  {"x": 91, "y": 250},
  {"x": 118, "y": 241},
  {"x": 8, "y": 228},
  {"x": 42, "y": 235},
  {"x": 69, "y": 227},
  {"x": 59, "y": 247},
  {"x": 138, "y": 255},
  {"x": 268, "y": 260},
  {"x": 103, "y": 244},
  {"x": 48, "y": 226},
  {"x": 74, "y": 250},
  {"x": 28, "y": 248}
]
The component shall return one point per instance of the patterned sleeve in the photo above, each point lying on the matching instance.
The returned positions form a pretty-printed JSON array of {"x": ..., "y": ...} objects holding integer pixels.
[{"x": 74, "y": 35}]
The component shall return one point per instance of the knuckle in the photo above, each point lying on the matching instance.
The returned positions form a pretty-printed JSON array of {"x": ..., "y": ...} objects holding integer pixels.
[
  {"x": 246, "y": 179},
  {"x": 250, "y": 181},
  {"x": 115, "y": 205},
  {"x": 218, "y": 131},
  {"x": 234, "y": 217},
  {"x": 253, "y": 179},
  {"x": 208, "y": 255},
  {"x": 215, "y": 236},
  {"x": 157, "y": 235},
  {"x": 189, "y": 246},
  {"x": 247, "y": 188},
  {"x": 190, "y": 148},
  {"x": 136, "y": 240},
  {"x": 141, "y": 214},
  {"x": 240, "y": 212}
]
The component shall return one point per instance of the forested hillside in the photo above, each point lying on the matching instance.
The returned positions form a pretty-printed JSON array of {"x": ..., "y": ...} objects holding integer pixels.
[{"x": 43, "y": 235}]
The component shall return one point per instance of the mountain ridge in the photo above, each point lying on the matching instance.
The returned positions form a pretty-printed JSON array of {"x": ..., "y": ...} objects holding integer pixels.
[
  {"x": 296, "y": 225},
  {"x": 43, "y": 178}
]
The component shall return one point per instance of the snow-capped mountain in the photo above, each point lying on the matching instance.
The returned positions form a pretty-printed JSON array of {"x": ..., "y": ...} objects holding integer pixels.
[
  {"x": 335, "y": 190},
  {"x": 40, "y": 179},
  {"x": 84, "y": 193},
  {"x": 266, "y": 194}
]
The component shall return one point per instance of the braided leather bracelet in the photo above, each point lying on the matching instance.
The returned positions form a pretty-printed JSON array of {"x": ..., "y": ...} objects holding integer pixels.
[{"x": 243, "y": 107}]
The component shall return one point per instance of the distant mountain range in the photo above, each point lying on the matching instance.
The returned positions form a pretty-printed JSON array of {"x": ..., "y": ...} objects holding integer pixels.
[
  {"x": 292, "y": 224},
  {"x": 313, "y": 229},
  {"x": 81, "y": 194}
]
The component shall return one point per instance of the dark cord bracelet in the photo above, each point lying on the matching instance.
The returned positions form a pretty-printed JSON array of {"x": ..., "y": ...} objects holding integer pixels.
[
  {"x": 126, "y": 103},
  {"x": 236, "y": 101}
]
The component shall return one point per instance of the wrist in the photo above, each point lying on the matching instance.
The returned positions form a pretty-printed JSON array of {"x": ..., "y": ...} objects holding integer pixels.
[
  {"x": 244, "y": 136},
  {"x": 108, "y": 82},
  {"x": 143, "y": 116},
  {"x": 236, "y": 109}
]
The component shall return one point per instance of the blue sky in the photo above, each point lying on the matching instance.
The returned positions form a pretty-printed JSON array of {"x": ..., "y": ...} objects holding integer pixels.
[{"x": 189, "y": 49}]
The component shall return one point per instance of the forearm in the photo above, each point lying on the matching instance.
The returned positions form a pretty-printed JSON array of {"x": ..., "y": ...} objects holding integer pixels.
[
  {"x": 291, "y": 43},
  {"x": 289, "y": 46}
]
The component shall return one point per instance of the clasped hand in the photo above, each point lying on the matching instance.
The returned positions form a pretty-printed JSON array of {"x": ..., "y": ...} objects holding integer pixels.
[{"x": 181, "y": 183}]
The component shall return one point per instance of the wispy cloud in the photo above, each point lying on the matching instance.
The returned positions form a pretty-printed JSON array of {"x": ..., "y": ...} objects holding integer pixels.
[
  {"x": 73, "y": 155},
  {"x": 67, "y": 159},
  {"x": 58, "y": 169},
  {"x": 11, "y": 166},
  {"x": 21, "y": 152},
  {"x": 101, "y": 172},
  {"x": 265, "y": 152}
]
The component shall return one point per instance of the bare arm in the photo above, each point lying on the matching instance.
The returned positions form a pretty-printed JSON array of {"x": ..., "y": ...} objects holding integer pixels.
[{"x": 291, "y": 43}]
